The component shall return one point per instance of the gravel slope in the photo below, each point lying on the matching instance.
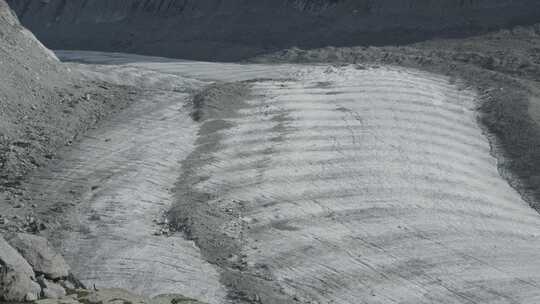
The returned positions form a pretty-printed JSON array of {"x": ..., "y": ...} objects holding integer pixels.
[{"x": 44, "y": 106}]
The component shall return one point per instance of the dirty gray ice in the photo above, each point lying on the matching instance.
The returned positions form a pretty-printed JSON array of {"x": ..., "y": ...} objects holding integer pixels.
[{"x": 359, "y": 185}]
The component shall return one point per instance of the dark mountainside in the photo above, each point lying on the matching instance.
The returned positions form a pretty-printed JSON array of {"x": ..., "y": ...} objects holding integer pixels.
[{"x": 235, "y": 29}]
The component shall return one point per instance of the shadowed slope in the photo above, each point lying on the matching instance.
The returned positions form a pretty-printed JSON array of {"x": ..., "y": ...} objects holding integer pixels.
[{"x": 236, "y": 29}]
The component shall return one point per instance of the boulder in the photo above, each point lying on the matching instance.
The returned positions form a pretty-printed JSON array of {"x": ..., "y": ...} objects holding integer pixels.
[
  {"x": 16, "y": 276},
  {"x": 68, "y": 286},
  {"x": 51, "y": 290},
  {"x": 40, "y": 255}
]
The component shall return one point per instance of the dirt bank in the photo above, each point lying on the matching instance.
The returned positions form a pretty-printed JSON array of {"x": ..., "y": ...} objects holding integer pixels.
[{"x": 504, "y": 66}]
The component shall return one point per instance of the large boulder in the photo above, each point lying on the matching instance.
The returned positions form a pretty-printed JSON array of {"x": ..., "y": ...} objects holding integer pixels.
[
  {"x": 40, "y": 255},
  {"x": 51, "y": 290},
  {"x": 16, "y": 276}
]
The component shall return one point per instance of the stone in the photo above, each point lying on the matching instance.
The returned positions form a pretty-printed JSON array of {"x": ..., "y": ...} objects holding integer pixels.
[
  {"x": 112, "y": 296},
  {"x": 52, "y": 290},
  {"x": 40, "y": 255},
  {"x": 173, "y": 299},
  {"x": 16, "y": 276},
  {"x": 69, "y": 286}
]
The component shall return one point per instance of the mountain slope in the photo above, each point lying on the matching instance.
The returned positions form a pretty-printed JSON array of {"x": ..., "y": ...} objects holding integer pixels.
[
  {"x": 44, "y": 105},
  {"x": 231, "y": 30}
]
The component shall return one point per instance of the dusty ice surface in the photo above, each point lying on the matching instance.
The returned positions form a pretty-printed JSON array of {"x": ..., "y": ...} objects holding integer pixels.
[
  {"x": 369, "y": 185},
  {"x": 127, "y": 169},
  {"x": 374, "y": 186}
]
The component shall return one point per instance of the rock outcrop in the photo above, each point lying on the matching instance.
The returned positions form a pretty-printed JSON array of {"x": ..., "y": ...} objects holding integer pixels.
[
  {"x": 17, "y": 279},
  {"x": 51, "y": 290},
  {"x": 230, "y": 30},
  {"x": 39, "y": 253},
  {"x": 31, "y": 269}
]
